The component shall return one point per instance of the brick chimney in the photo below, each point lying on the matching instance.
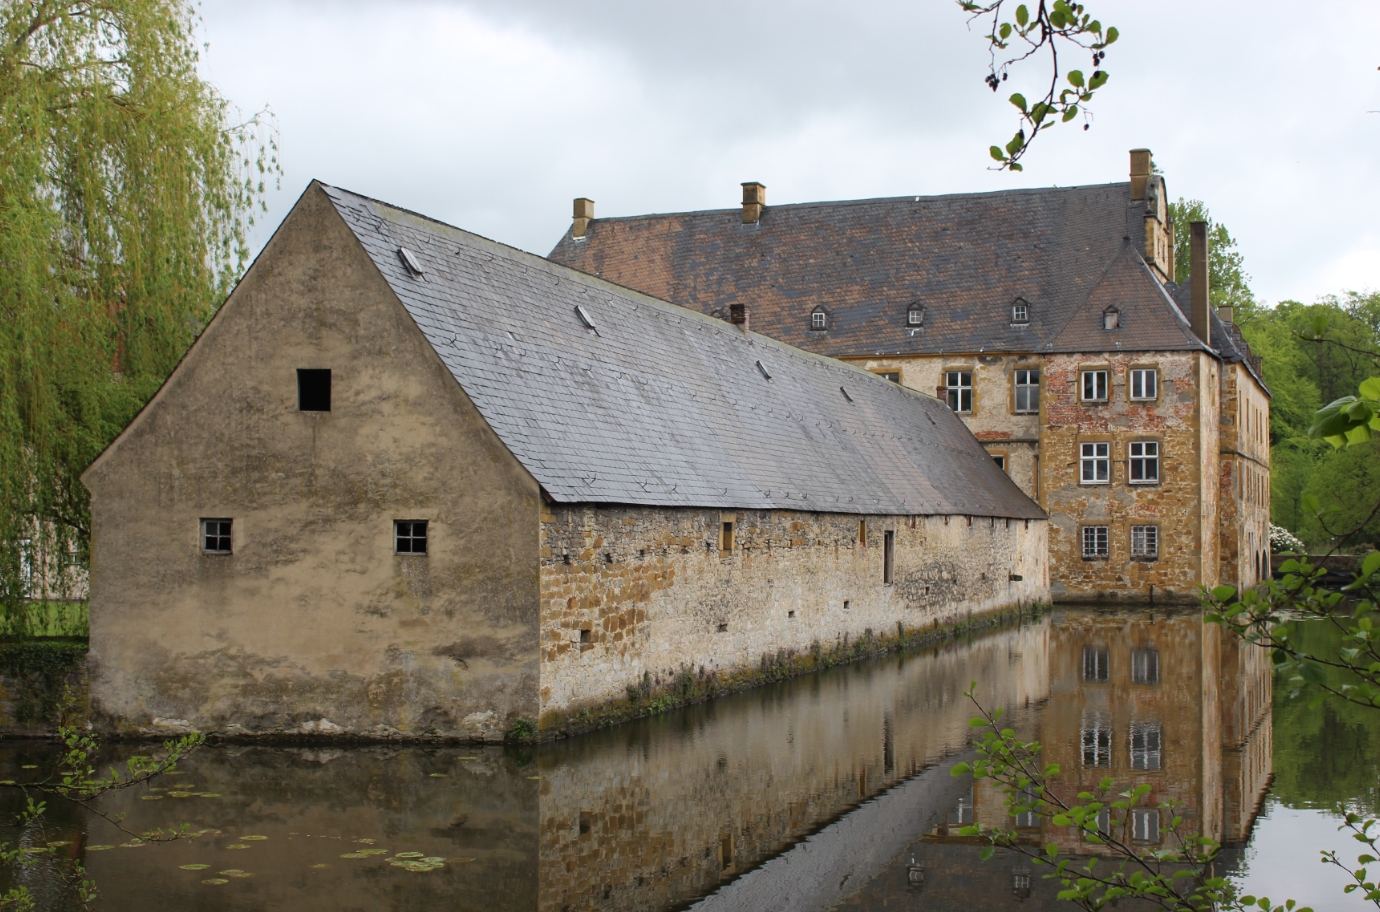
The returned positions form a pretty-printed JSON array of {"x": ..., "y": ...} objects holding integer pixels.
[
  {"x": 584, "y": 214},
  {"x": 1198, "y": 281},
  {"x": 738, "y": 316},
  {"x": 1140, "y": 173},
  {"x": 754, "y": 200}
]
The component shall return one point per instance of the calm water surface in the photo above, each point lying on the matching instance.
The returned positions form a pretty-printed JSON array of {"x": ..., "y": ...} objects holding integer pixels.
[{"x": 826, "y": 792}]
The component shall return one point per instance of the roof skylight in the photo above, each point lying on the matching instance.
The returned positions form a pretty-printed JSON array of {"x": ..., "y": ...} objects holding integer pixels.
[
  {"x": 409, "y": 261},
  {"x": 584, "y": 316},
  {"x": 763, "y": 368}
]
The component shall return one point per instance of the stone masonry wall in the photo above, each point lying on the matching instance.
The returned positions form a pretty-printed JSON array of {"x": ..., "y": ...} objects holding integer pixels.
[
  {"x": 1245, "y": 478},
  {"x": 1182, "y": 505},
  {"x": 632, "y": 597}
]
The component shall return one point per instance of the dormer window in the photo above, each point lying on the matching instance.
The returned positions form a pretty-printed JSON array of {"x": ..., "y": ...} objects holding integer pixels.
[
  {"x": 1111, "y": 318},
  {"x": 1020, "y": 312},
  {"x": 819, "y": 320},
  {"x": 915, "y": 314}
]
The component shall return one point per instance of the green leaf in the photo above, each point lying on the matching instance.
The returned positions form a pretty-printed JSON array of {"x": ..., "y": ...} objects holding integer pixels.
[
  {"x": 1076, "y": 78},
  {"x": 959, "y": 769},
  {"x": 1022, "y": 15},
  {"x": 1005, "y": 31},
  {"x": 1371, "y": 563},
  {"x": 998, "y": 154},
  {"x": 1223, "y": 593},
  {"x": 1019, "y": 101},
  {"x": 1112, "y": 34},
  {"x": 1070, "y": 113},
  {"x": 1370, "y": 389},
  {"x": 987, "y": 852}
]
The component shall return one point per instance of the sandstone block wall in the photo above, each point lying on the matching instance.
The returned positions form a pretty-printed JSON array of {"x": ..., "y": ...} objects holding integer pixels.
[
  {"x": 1245, "y": 479},
  {"x": 634, "y": 595}
]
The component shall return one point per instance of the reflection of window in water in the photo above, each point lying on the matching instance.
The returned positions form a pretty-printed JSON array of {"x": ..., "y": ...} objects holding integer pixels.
[
  {"x": 1097, "y": 741},
  {"x": 1145, "y": 665},
  {"x": 1145, "y": 745},
  {"x": 1104, "y": 823},
  {"x": 1095, "y": 663},
  {"x": 1020, "y": 883},
  {"x": 1145, "y": 825},
  {"x": 962, "y": 814}
]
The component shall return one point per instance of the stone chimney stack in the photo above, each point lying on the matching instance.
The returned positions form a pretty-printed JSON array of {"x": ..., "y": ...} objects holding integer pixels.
[
  {"x": 1198, "y": 281},
  {"x": 1140, "y": 173},
  {"x": 584, "y": 214},
  {"x": 754, "y": 201},
  {"x": 738, "y": 316}
]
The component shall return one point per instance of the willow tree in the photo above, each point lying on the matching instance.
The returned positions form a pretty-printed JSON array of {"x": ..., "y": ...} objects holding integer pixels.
[{"x": 127, "y": 188}]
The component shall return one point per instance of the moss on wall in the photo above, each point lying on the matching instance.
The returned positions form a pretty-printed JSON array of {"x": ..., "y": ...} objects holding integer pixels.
[{"x": 34, "y": 673}]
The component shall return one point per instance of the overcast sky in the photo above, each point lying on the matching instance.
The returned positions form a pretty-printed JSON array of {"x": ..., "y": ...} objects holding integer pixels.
[{"x": 493, "y": 114}]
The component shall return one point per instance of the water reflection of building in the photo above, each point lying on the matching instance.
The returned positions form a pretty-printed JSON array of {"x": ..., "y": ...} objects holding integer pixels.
[{"x": 1140, "y": 698}]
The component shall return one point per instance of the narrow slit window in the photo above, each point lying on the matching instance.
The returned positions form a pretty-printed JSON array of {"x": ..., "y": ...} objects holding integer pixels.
[
  {"x": 410, "y": 536},
  {"x": 215, "y": 536},
  {"x": 314, "y": 390},
  {"x": 726, "y": 535},
  {"x": 888, "y": 556}
]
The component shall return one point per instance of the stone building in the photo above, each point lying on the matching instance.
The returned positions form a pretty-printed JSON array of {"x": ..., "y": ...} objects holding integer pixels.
[
  {"x": 1046, "y": 318},
  {"x": 411, "y": 481}
]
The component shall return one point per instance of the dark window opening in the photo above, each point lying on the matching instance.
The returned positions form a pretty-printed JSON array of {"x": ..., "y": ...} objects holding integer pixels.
[
  {"x": 893, "y": 376},
  {"x": 723, "y": 628},
  {"x": 410, "y": 535},
  {"x": 1145, "y": 665},
  {"x": 790, "y": 614},
  {"x": 1000, "y": 461},
  {"x": 845, "y": 604},
  {"x": 888, "y": 555},
  {"x": 726, "y": 536},
  {"x": 586, "y": 821},
  {"x": 586, "y": 636},
  {"x": 1095, "y": 665},
  {"x": 215, "y": 536},
  {"x": 314, "y": 390}
]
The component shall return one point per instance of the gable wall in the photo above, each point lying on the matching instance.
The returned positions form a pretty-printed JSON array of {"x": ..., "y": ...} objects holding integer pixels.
[
  {"x": 1244, "y": 478},
  {"x": 313, "y": 617}
]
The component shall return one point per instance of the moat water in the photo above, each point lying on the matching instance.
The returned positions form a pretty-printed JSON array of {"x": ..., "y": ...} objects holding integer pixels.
[{"x": 830, "y": 791}]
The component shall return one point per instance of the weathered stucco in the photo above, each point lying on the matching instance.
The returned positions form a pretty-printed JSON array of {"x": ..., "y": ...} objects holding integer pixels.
[
  {"x": 634, "y": 598},
  {"x": 313, "y": 624}
]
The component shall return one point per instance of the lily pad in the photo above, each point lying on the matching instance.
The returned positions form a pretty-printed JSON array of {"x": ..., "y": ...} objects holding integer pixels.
[
  {"x": 410, "y": 855},
  {"x": 29, "y": 766},
  {"x": 533, "y": 777},
  {"x": 215, "y": 881},
  {"x": 133, "y": 844},
  {"x": 194, "y": 867},
  {"x": 438, "y": 776},
  {"x": 354, "y": 855},
  {"x": 179, "y": 794},
  {"x": 36, "y": 850},
  {"x": 98, "y": 848},
  {"x": 55, "y": 844},
  {"x": 237, "y": 845},
  {"x": 235, "y": 872},
  {"x": 252, "y": 838},
  {"x": 364, "y": 841},
  {"x": 209, "y": 795},
  {"x": 150, "y": 797},
  {"x": 419, "y": 866}
]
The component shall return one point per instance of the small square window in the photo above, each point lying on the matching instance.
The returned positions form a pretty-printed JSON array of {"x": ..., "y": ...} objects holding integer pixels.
[
  {"x": 915, "y": 315},
  {"x": 819, "y": 320},
  {"x": 314, "y": 390},
  {"x": 959, "y": 388},
  {"x": 1144, "y": 462},
  {"x": 1095, "y": 543},
  {"x": 1094, "y": 386},
  {"x": 215, "y": 536},
  {"x": 409, "y": 536},
  {"x": 1027, "y": 391},
  {"x": 1145, "y": 542},
  {"x": 1144, "y": 384},
  {"x": 1095, "y": 464}
]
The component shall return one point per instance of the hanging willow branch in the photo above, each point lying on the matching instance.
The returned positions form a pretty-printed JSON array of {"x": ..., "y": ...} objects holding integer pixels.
[
  {"x": 1041, "y": 33},
  {"x": 128, "y": 186}
]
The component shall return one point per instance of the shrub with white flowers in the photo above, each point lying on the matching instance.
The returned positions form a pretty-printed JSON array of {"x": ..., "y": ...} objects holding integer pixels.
[{"x": 1282, "y": 541}]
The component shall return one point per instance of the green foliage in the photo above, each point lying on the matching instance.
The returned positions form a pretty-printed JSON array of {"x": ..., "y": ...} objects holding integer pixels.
[
  {"x": 1177, "y": 876},
  {"x": 47, "y": 619},
  {"x": 1228, "y": 282},
  {"x": 523, "y": 731},
  {"x": 40, "y": 672},
  {"x": 77, "y": 782},
  {"x": 126, "y": 191},
  {"x": 1025, "y": 34}
]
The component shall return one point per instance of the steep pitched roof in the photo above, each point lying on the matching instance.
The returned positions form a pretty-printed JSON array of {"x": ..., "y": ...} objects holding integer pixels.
[
  {"x": 966, "y": 258},
  {"x": 1227, "y": 339},
  {"x": 656, "y": 404},
  {"x": 1147, "y": 317}
]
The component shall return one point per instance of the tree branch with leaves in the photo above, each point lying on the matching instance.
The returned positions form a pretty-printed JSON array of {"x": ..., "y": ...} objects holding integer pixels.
[{"x": 1045, "y": 32}]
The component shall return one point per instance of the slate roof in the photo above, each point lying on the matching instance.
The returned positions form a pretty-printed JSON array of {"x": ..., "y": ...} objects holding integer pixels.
[
  {"x": 660, "y": 405},
  {"x": 1066, "y": 251},
  {"x": 1227, "y": 339}
]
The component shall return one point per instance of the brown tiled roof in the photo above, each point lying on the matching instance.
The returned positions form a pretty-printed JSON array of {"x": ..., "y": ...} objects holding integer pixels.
[{"x": 966, "y": 258}]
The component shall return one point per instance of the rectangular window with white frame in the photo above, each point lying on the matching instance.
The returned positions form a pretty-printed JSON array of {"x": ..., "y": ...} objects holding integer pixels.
[
  {"x": 1027, "y": 392},
  {"x": 959, "y": 385},
  {"x": 1095, "y": 463},
  {"x": 1094, "y": 385},
  {"x": 1145, "y": 825},
  {"x": 1144, "y": 383},
  {"x": 1095, "y": 546},
  {"x": 1143, "y": 462},
  {"x": 1145, "y": 542}
]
